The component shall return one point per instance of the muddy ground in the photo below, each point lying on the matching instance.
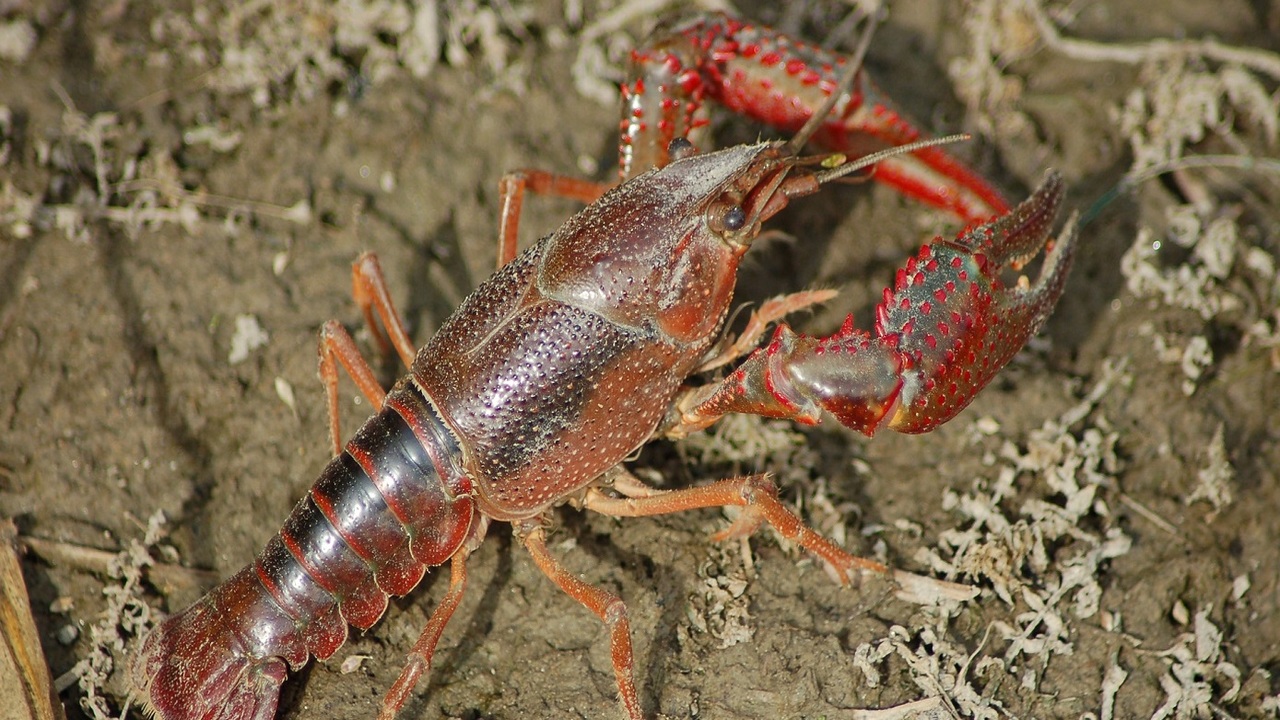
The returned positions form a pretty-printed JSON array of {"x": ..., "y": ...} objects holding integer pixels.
[{"x": 1129, "y": 555}]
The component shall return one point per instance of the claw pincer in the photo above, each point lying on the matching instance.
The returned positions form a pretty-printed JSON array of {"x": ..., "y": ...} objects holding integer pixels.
[
  {"x": 942, "y": 332},
  {"x": 957, "y": 322}
]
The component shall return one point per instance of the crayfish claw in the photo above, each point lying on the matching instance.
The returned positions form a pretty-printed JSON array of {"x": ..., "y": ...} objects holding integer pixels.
[
  {"x": 1015, "y": 238},
  {"x": 942, "y": 332},
  {"x": 956, "y": 321}
]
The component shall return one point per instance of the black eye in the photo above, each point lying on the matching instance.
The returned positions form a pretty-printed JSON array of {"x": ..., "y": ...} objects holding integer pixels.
[
  {"x": 680, "y": 148},
  {"x": 734, "y": 218}
]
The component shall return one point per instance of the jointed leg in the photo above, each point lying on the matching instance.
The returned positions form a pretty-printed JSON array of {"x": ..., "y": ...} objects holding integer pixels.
[
  {"x": 369, "y": 287},
  {"x": 511, "y": 191},
  {"x": 758, "y": 496},
  {"x": 630, "y": 485},
  {"x": 419, "y": 662},
  {"x": 769, "y": 312},
  {"x": 605, "y": 605},
  {"x": 336, "y": 346}
]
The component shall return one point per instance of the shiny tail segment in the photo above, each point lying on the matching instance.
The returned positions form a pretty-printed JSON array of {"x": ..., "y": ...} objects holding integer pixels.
[
  {"x": 381, "y": 513},
  {"x": 208, "y": 663}
]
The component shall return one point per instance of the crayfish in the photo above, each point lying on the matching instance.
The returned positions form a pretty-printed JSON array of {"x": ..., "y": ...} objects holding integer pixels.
[{"x": 578, "y": 350}]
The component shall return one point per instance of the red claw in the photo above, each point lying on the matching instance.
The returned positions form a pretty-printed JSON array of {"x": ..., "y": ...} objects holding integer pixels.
[
  {"x": 945, "y": 329},
  {"x": 781, "y": 82},
  {"x": 958, "y": 321}
]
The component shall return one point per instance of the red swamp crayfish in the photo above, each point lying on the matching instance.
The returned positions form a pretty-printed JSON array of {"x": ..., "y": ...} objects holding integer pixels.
[{"x": 576, "y": 353}]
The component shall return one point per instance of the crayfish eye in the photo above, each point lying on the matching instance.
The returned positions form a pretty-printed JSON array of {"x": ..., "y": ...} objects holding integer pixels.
[
  {"x": 735, "y": 218},
  {"x": 680, "y": 148}
]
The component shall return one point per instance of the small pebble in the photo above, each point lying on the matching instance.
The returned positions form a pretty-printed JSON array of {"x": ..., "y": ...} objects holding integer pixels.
[{"x": 67, "y": 634}]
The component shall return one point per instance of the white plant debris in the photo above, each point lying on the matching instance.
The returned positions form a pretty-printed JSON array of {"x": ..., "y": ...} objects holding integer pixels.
[
  {"x": 1199, "y": 678},
  {"x": 940, "y": 667},
  {"x": 18, "y": 211},
  {"x": 352, "y": 663},
  {"x": 6, "y": 134},
  {"x": 215, "y": 135},
  {"x": 1197, "y": 284},
  {"x": 746, "y": 440},
  {"x": 134, "y": 192},
  {"x": 718, "y": 606},
  {"x": 17, "y": 40},
  {"x": 1179, "y": 101},
  {"x": 1222, "y": 277},
  {"x": 1012, "y": 553},
  {"x": 1193, "y": 358},
  {"x": 284, "y": 391},
  {"x": 274, "y": 52},
  {"x": 999, "y": 32},
  {"x": 1196, "y": 359},
  {"x": 1239, "y": 587},
  {"x": 1185, "y": 89},
  {"x": 1216, "y": 477},
  {"x": 248, "y": 336},
  {"x": 1111, "y": 683},
  {"x": 127, "y": 615}
]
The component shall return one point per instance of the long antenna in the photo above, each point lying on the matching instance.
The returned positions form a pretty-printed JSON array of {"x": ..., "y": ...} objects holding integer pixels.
[
  {"x": 841, "y": 90},
  {"x": 875, "y": 157},
  {"x": 1133, "y": 179}
]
